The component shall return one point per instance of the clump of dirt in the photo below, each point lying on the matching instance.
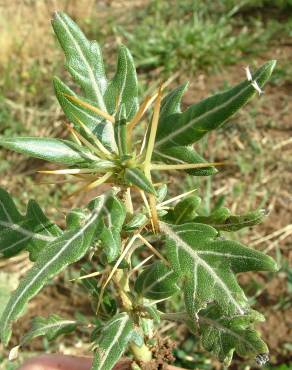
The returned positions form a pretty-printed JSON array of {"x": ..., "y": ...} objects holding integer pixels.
[{"x": 162, "y": 354}]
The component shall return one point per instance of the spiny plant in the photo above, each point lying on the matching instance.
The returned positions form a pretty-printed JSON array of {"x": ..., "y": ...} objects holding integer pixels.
[{"x": 138, "y": 251}]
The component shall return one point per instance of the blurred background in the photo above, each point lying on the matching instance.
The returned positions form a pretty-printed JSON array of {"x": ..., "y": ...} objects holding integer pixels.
[{"x": 208, "y": 42}]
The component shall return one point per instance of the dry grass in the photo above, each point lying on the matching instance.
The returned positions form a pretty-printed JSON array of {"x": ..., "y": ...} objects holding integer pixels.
[{"x": 25, "y": 27}]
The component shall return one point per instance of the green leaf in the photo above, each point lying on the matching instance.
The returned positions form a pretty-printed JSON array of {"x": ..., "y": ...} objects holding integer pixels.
[
  {"x": 190, "y": 126},
  {"x": 223, "y": 335},
  {"x": 153, "y": 313},
  {"x": 121, "y": 136},
  {"x": 31, "y": 232},
  {"x": 64, "y": 250},
  {"x": 186, "y": 209},
  {"x": 76, "y": 217},
  {"x": 49, "y": 149},
  {"x": 123, "y": 88},
  {"x": 207, "y": 265},
  {"x": 83, "y": 58},
  {"x": 50, "y": 327},
  {"x": 137, "y": 221},
  {"x": 112, "y": 342},
  {"x": 184, "y": 155},
  {"x": 156, "y": 282},
  {"x": 161, "y": 193},
  {"x": 172, "y": 102},
  {"x": 110, "y": 224},
  {"x": 134, "y": 176},
  {"x": 221, "y": 219},
  {"x": 76, "y": 113}
]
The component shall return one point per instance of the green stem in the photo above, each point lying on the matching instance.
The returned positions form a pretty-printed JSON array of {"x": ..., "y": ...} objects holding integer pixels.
[{"x": 142, "y": 353}]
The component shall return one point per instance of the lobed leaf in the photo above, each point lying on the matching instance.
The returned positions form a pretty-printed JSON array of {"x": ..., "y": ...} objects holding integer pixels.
[
  {"x": 32, "y": 231},
  {"x": 171, "y": 103},
  {"x": 186, "y": 209},
  {"x": 208, "y": 266},
  {"x": 223, "y": 335},
  {"x": 123, "y": 88},
  {"x": 83, "y": 58},
  {"x": 110, "y": 224},
  {"x": 51, "y": 327},
  {"x": 190, "y": 126},
  {"x": 222, "y": 219},
  {"x": 112, "y": 342},
  {"x": 77, "y": 113},
  {"x": 64, "y": 250},
  {"x": 156, "y": 282},
  {"x": 49, "y": 149}
]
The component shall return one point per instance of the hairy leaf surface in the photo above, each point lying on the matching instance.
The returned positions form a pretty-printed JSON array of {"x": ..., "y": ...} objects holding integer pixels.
[
  {"x": 112, "y": 342},
  {"x": 171, "y": 103},
  {"x": 138, "y": 220},
  {"x": 64, "y": 250},
  {"x": 32, "y": 231},
  {"x": 49, "y": 149},
  {"x": 136, "y": 177},
  {"x": 208, "y": 265},
  {"x": 77, "y": 113},
  {"x": 222, "y": 219},
  {"x": 83, "y": 58},
  {"x": 223, "y": 335},
  {"x": 110, "y": 224},
  {"x": 186, "y": 209},
  {"x": 50, "y": 327},
  {"x": 121, "y": 136},
  {"x": 191, "y": 125},
  {"x": 123, "y": 88},
  {"x": 156, "y": 282}
]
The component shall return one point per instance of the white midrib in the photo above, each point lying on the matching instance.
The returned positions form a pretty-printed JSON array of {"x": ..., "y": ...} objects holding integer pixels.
[
  {"x": 115, "y": 339},
  {"x": 212, "y": 253},
  {"x": 139, "y": 180},
  {"x": 202, "y": 116},
  {"x": 90, "y": 71},
  {"x": 157, "y": 281},
  {"x": 58, "y": 324},
  {"x": 174, "y": 159},
  {"x": 169, "y": 232},
  {"x": 215, "y": 324},
  {"x": 80, "y": 232},
  {"x": 26, "y": 232}
]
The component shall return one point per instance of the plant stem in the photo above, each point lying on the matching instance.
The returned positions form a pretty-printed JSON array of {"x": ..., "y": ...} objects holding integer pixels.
[
  {"x": 142, "y": 354},
  {"x": 176, "y": 316}
]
